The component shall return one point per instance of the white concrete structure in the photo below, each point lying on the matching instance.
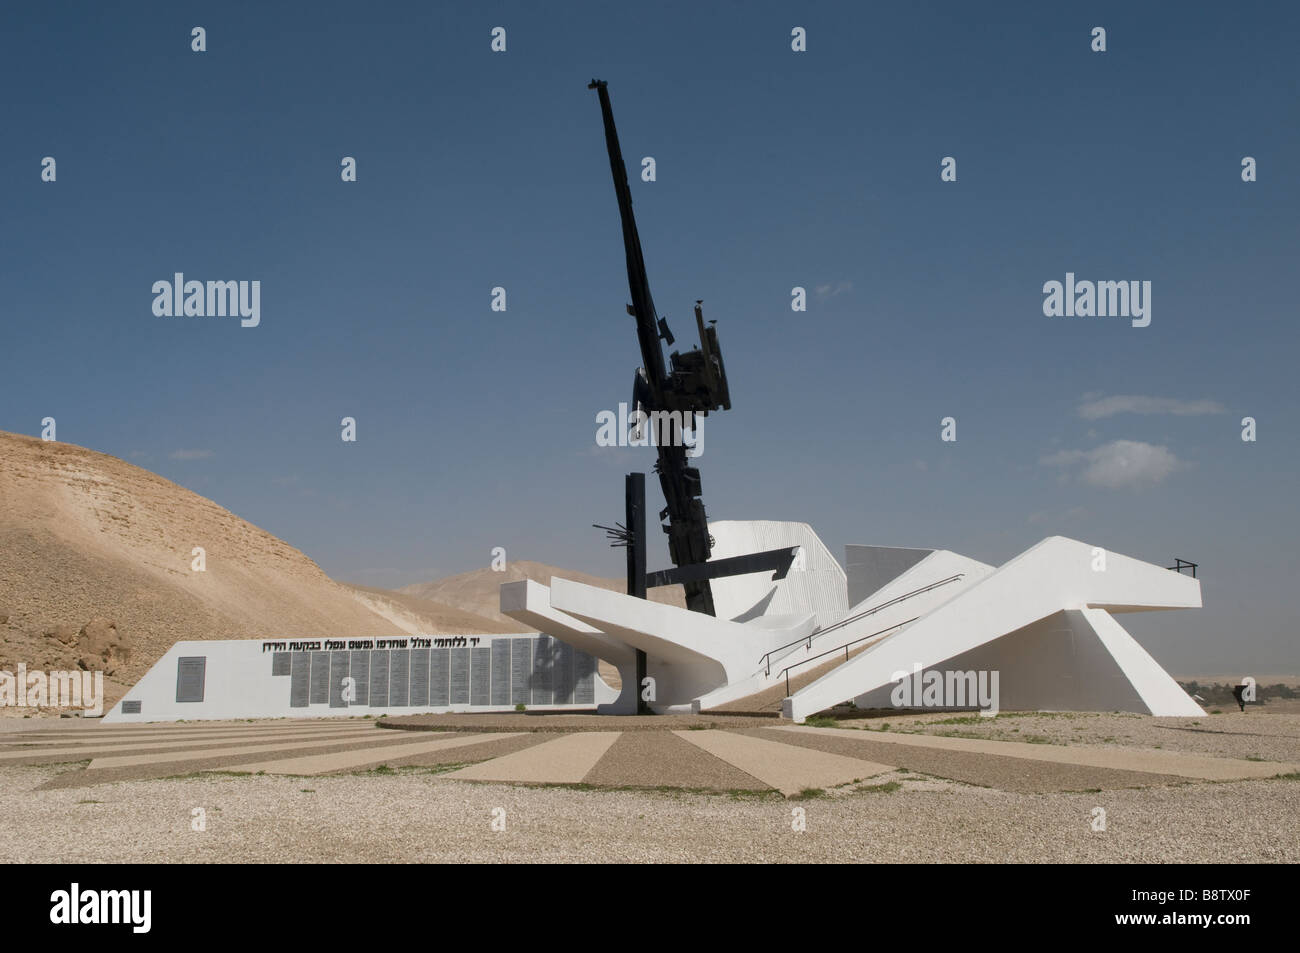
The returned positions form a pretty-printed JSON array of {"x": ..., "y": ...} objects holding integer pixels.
[
  {"x": 245, "y": 678},
  {"x": 1042, "y": 622}
]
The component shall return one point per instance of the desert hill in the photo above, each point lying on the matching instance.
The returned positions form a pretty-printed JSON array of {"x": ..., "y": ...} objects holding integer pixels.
[
  {"x": 416, "y": 615},
  {"x": 476, "y": 591},
  {"x": 95, "y": 568}
]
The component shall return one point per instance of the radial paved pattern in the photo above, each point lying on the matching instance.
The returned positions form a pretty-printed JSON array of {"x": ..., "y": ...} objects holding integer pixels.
[{"x": 735, "y": 757}]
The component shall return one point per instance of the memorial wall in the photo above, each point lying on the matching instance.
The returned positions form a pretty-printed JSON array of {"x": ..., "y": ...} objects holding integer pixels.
[{"x": 314, "y": 678}]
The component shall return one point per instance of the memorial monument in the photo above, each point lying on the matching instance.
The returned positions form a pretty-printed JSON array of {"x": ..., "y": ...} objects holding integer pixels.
[
  {"x": 766, "y": 600},
  {"x": 769, "y": 611}
]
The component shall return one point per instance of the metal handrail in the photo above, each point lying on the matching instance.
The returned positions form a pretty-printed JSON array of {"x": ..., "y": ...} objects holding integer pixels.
[
  {"x": 766, "y": 659},
  {"x": 786, "y": 671},
  {"x": 1181, "y": 564}
]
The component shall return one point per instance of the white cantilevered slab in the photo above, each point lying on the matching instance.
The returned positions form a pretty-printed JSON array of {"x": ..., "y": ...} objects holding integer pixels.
[
  {"x": 677, "y": 636},
  {"x": 530, "y": 602},
  {"x": 689, "y": 654}
]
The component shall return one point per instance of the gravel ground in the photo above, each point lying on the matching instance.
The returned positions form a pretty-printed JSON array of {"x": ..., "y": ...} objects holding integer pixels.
[
  {"x": 1251, "y": 735},
  {"x": 1007, "y": 774},
  {"x": 416, "y": 816}
]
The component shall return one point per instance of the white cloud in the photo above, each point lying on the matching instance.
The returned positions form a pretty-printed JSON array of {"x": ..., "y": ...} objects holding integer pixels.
[
  {"x": 831, "y": 290},
  {"x": 1120, "y": 464},
  {"x": 190, "y": 454},
  {"x": 1095, "y": 408}
]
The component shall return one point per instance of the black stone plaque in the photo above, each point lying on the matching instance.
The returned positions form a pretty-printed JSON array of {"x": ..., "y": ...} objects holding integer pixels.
[
  {"x": 399, "y": 675},
  {"x": 439, "y": 677},
  {"x": 379, "y": 678},
  {"x": 459, "y": 676},
  {"x": 361, "y": 675},
  {"x": 320, "y": 678},
  {"x": 584, "y": 675},
  {"x": 480, "y": 676},
  {"x": 280, "y": 663},
  {"x": 521, "y": 671},
  {"x": 562, "y": 673},
  {"x": 190, "y": 676},
  {"x": 419, "y": 678},
  {"x": 299, "y": 679},
  {"x": 543, "y": 660},
  {"x": 501, "y": 671},
  {"x": 339, "y": 669}
]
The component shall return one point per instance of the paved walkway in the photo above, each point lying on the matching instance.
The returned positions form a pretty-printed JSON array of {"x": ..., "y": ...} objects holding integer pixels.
[
  {"x": 354, "y": 760},
  {"x": 788, "y": 769},
  {"x": 757, "y": 755},
  {"x": 563, "y": 760}
]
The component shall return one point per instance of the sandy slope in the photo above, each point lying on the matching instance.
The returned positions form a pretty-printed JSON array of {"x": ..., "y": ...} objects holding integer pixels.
[
  {"x": 415, "y": 615},
  {"x": 85, "y": 535},
  {"x": 476, "y": 591}
]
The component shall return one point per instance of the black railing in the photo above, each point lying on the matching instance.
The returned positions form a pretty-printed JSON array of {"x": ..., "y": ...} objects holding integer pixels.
[
  {"x": 1181, "y": 564},
  {"x": 767, "y": 658},
  {"x": 812, "y": 658}
]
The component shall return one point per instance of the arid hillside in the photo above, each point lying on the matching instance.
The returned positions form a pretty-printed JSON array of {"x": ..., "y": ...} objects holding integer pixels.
[{"x": 96, "y": 569}]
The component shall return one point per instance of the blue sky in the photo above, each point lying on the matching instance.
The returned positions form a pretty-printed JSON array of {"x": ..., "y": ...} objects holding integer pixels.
[{"x": 775, "y": 169}]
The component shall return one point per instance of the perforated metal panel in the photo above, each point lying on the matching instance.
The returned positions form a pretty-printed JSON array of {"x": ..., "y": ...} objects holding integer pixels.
[{"x": 190, "y": 677}]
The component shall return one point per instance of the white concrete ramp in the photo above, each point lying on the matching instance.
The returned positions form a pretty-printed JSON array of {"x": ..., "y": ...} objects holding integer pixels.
[{"x": 1057, "y": 575}]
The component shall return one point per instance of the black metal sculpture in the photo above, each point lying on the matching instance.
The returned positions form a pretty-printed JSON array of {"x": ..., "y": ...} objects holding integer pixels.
[{"x": 694, "y": 383}]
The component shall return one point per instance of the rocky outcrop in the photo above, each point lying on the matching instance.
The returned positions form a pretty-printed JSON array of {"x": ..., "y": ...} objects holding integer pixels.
[{"x": 102, "y": 646}]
